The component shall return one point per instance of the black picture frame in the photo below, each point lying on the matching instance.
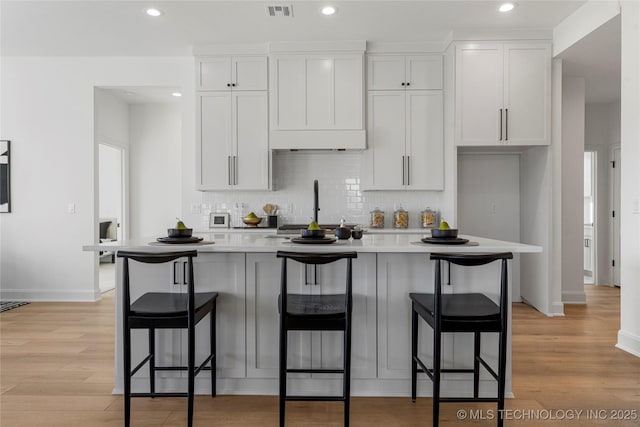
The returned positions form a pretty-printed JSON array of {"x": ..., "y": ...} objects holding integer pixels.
[{"x": 5, "y": 176}]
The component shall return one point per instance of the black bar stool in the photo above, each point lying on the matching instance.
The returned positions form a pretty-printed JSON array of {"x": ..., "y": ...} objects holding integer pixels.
[
  {"x": 468, "y": 312},
  {"x": 302, "y": 312},
  {"x": 165, "y": 310}
]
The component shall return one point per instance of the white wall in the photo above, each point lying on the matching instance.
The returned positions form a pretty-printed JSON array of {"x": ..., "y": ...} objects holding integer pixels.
[
  {"x": 573, "y": 95},
  {"x": 110, "y": 182},
  {"x": 155, "y": 168},
  {"x": 489, "y": 201},
  {"x": 602, "y": 131},
  {"x": 54, "y": 159},
  {"x": 629, "y": 334}
]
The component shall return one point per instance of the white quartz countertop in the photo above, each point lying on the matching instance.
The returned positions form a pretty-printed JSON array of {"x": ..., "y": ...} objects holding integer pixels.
[{"x": 269, "y": 242}]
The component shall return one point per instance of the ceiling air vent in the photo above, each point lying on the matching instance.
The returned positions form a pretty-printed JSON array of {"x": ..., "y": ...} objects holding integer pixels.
[{"x": 285, "y": 10}]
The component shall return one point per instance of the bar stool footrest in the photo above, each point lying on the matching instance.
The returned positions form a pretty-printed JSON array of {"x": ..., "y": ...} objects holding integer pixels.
[{"x": 315, "y": 398}]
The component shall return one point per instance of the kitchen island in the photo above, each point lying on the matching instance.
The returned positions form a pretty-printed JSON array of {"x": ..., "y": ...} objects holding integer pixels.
[{"x": 243, "y": 268}]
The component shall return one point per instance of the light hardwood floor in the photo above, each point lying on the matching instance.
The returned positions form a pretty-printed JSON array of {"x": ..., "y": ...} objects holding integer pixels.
[{"x": 56, "y": 369}]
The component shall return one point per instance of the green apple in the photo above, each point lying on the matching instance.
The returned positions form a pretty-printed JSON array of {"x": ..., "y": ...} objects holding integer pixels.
[
  {"x": 251, "y": 215},
  {"x": 444, "y": 226}
]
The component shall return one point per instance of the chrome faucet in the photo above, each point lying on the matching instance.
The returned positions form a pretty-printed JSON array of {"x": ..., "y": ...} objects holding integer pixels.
[{"x": 316, "y": 208}]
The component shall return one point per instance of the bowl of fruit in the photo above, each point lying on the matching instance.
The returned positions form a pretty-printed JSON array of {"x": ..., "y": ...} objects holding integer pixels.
[
  {"x": 444, "y": 231},
  {"x": 313, "y": 231},
  {"x": 252, "y": 220},
  {"x": 180, "y": 230}
]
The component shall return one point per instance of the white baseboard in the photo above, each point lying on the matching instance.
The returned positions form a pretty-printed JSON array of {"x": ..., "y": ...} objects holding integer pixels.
[
  {"x": 48, "y": 295},
  {"x": 629, "y": 342},
  {"x": 574, "y": 297}
]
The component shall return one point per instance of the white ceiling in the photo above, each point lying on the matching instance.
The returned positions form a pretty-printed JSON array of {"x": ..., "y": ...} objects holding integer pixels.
[{"x": 121, "y": 28}]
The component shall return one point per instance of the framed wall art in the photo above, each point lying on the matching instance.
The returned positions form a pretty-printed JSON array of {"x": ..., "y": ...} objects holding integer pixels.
[{"x": 5, "y": 176}]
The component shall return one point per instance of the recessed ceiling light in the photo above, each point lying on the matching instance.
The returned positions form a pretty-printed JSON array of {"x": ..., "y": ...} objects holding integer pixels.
[
  {"x": 328, "y": 10},
  {"x": 177, "y": 94},
  {"x": 506, "y": 7},
  {"x": 154, "y": 12}
]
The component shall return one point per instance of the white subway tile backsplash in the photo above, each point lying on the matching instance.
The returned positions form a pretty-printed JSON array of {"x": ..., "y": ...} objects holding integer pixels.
[{"x": 338, "y": 175}]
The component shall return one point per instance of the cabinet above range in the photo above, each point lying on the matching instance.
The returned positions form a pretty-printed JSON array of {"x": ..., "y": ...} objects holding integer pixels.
[{"x": 316, "y": 95}]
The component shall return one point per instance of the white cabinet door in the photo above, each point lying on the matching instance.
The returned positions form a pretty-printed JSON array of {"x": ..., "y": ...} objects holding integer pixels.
[
  {"x": 215, "y": 148},
  {"x": 223, "y": 273},
  {"x": 527, "y": 92},
  {"x": 317, "y": 92},
  {"x": 386, "y": 140},
  {"x": 322, "y": 349},
  {"x": 231, "y": 73},
  {"x": 406, "y": 141},
  {"x": 479, "y": 97},
  {"x": 233, "y": 143},
  {"x": 213, "y": 73},
  {"x": 423, "y": 72},
  {"x": 503, "y": 94},
  {"x": 363, "y": 333},
  {"x": 385, "y": 72},
  {"x": 424, "y": 140},
  {"x": 396, "y": 72},
  {"x": 251, "y": 141},
  {"x": 398, "y": 275},
  {"x": 263, "y": 318},
  {"x": 249, "y": 73}
]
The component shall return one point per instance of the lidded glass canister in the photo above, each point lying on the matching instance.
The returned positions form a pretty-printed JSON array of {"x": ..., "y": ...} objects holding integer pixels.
[
  {"x": 429, "y": 218},
  {"x": 377, "y": 218},
  {"x": 400, "y": 218}
]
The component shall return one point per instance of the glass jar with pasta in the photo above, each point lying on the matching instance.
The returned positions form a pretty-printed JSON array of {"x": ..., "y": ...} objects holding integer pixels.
[
  {"x": 377, "y": 218},
  {"x": 400, "y": 218},
  {"x": 429, "y": 218}
]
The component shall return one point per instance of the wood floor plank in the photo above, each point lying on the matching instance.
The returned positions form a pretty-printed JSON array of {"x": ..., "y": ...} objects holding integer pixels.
[{"x": 56, "y": 370}]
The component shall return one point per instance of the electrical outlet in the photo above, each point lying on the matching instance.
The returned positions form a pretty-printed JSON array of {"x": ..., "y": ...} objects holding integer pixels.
[
  {"x": 196, "y": 208},
  {"x": 493, "y": 208},
  {"x": 71, "y": 208}
]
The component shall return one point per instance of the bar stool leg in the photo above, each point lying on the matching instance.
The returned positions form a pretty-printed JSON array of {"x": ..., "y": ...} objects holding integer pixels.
[
  {"x": 283, "y": 373},
  {"x": 212, "y": 345},
  {"x": 347, "y": 373},
  {"x": 502, "y": 368},
  {"x": 476, "y": 363},
  {"x": 126, "y": 344},
  {"x": 152, "y": 360},
  {"x": 437, "y": 341},
  {"x": 191, "y": 341},
  {"x": 414, "y": 353}
]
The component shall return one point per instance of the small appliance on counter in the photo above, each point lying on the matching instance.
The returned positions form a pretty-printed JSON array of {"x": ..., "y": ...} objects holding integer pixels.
[{"x": 219, "y": 220}]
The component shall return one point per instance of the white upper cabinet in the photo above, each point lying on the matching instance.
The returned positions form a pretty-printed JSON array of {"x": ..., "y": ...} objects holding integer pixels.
[
  {"x": 233, "y": 144},
  {"x": 503, "y": 94},
  {"x": 231, "y": 73},
  {"x": 395, "y": 72},
  {"x": 317, "y": 91},
  {"x": 406, "y": 142},
  {"x": 317, "y": 100}
]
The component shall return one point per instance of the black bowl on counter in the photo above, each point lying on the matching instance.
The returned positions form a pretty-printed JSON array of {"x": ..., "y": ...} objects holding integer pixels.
[
  {"x": 342, "y": 232},
  {"x": 451, "y": 233},
  {"x": 356, "y": 234},
  {"x": 318, "y": 234},
  {"x": 180, "y": 232}
]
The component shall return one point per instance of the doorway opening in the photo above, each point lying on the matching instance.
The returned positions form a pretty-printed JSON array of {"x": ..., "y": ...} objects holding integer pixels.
[
  {"x": 590, "y": 162},
  {"x": 110, "y": 208}
]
